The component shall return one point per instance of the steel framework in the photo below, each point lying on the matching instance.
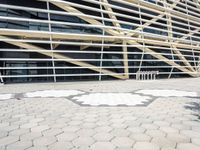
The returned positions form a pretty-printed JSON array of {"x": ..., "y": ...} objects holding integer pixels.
[{"x": 98, "y": 39}]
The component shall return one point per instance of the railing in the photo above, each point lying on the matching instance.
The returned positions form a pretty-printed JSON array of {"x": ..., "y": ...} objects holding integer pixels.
[{"x": 146, "y": 75}]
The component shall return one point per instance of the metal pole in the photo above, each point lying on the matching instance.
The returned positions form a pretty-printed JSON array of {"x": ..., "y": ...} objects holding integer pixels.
[
  {"x": 51, "y": 45},
  {"x": 102, "y": 44}
]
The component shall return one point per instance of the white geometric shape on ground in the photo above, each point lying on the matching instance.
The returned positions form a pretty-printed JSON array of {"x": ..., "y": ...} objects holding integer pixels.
[
  {"x": 5, "y": 96},
  {"x": 112, "y": 99},
  {"x": 53, "y": 93},
  {"x": 167, "y": 93}
]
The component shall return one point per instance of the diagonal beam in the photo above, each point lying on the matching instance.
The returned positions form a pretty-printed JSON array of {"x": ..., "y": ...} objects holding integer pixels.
[
  {"x": 181, "y": 57},
  {"x": 189, "y": 34},
  {"x": 124, "y": 48},
  {"x": 197, "y": 3},
  {"x": 170, "y": 35},
  {"x": 59, "y": 56},
  {"x": 68, "y": 8},
  {"x": 125, "y": 58},
  {"x": 153, "y": 20},
  {"x": 111, "y": 15},
  {"x": 166, "y": 60}
]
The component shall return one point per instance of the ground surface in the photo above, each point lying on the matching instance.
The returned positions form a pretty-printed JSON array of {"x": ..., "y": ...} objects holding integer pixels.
[{"x": 165, "y": 122}]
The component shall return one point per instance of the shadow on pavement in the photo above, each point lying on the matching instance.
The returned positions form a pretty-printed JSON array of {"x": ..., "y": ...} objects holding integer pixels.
[{"x": 195, "y": 107}]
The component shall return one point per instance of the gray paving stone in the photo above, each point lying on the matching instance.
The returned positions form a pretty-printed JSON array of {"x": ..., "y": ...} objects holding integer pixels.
[
  {"x": 191, "y": 123},
  {"x": 103, "y": 123},
  {"x": 52, "y": 132},
  {"x": 196, "y": 141},
  {"x": 103, "y": 136},
  {"x": 4, "y": 124},
  {"x": 168, "y": 149},
  {"x": 140, "y": 137},
  {"x": 88, "y": 125},
  {"x": 103, "y": 129},
  {"x": 123, "y": 142},
  {"x": 35, "y": 120},
  {"x": 119, "y": 125},
  {"x": 190, "y": 133},
  {"x": 61, "y": 146},
  {"x": 20, "y": 122},
  {"x": 124, "y": 148},
  {"x": 178, "y": 138},
  {"x": 145, "y": 146},
  {"x": 10, "y": 128},
  {"x": 29, "y": 125},
  {"x": 19, "y": 115},
  {"x": 2, "y": 148},
  {"x": 19, "y": 132},
  {"x": 149, "y": 126},
  {"x": 180, "y": 126},
  {"x": 67, "y": 136},
  {"x": 38, "y": 148},
  {"x": 103, "y": 146},
  {"x": 164, "y": 142},
  {"x": 71, "y": 128},
  {"x": 8, "y": 140},
  {"x": 44, "y": 141},
  {"x": 145, "y": 120},
  {"x": 85, "y": 132},
  {"x": 161, "y": 123},
  {"x": 82, "y": 148},
  {"x": 136, "y": 129},
  {"x": 155, "y": 133},
  {"x": 58, "y": 125},
  {"x": 75, "y": 123},
  {"x": 187, "y": 146},
  {"x": 195, "y": 128},
  {"x": 120, "y": 132},
  {"x": 83, "y": 141},
  {"x": 169, "y": 130},
  {"x": 3, "y": 133},
  {"x": 19, "y": 145},
  {"x": 39, "y": 128},
  {"x": 133, "y": 123},
  {"x": 30, "y": 136}
]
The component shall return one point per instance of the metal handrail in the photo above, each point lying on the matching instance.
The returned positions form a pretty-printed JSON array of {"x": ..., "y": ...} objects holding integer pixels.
[{"x": 146, "y": 75}]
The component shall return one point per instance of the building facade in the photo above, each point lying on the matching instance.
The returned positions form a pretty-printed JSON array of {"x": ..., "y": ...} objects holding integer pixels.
[{"x": 73, "y": 40}]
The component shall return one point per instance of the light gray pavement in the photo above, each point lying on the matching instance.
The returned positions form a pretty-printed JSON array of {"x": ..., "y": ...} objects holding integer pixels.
[{"x": 168, "y": 123}]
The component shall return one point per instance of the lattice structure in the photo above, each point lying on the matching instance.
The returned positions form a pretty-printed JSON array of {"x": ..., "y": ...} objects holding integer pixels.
[{"x": 67, "y": 40}]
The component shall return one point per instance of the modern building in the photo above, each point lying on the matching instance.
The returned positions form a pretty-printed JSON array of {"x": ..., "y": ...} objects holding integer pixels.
[{"x": 73, "y": 40}]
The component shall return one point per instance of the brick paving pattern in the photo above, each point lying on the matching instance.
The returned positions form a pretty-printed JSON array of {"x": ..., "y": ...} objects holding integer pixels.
[{"x": 168, "y": 123}]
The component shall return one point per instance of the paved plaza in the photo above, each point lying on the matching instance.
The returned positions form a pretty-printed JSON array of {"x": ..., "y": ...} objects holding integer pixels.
[{"x": 107, "y": 115}]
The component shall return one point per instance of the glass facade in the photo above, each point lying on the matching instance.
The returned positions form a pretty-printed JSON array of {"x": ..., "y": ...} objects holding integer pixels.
[{"x": 73, "y": 40}]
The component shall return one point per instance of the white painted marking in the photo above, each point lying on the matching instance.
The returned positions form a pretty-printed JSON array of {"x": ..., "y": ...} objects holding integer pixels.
[
  {"x": 112, "y": 99},
  {"x": 53, "y": 93},
  {"x": 167, "y": 93},
  {"x": 5, "y": 96}
]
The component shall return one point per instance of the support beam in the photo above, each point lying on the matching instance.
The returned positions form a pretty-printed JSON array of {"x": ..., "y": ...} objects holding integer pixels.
[
  {"x": 125, "y": 58},
  {"x": 170, "y": 35},
  {"x": 111, "y": 15},
  {"x": 124, "y": 48},
  {"x": 153, "y": 20}
]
